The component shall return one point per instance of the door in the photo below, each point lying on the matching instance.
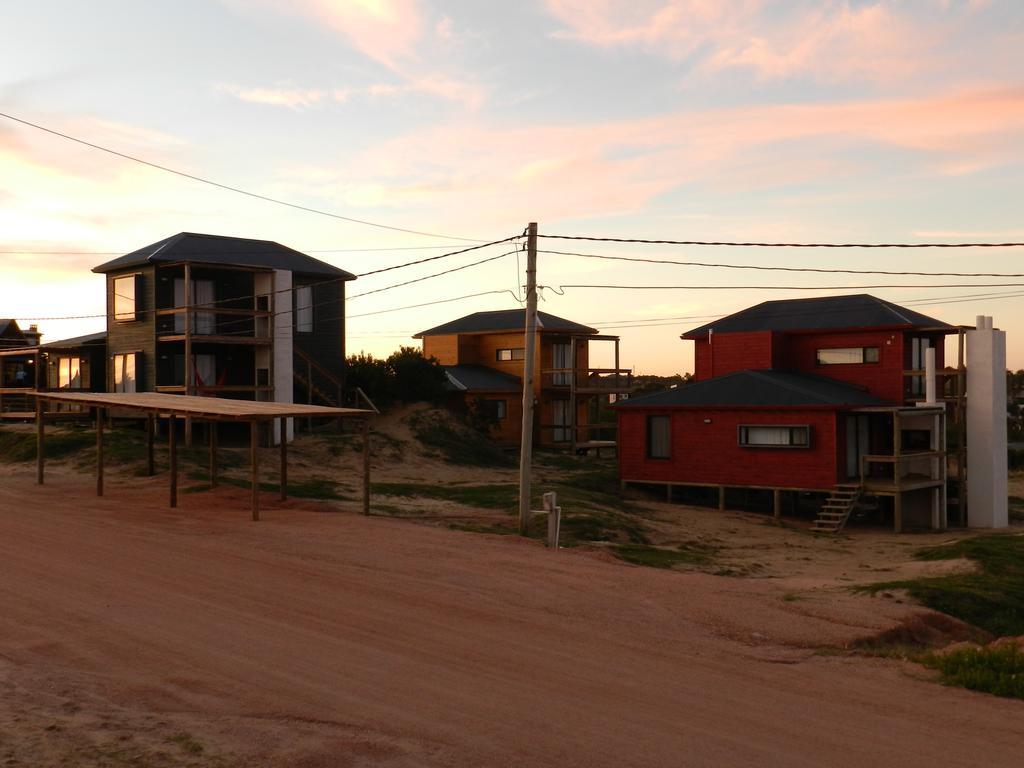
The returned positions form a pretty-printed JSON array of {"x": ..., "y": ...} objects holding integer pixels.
[
  {"x": 858, "y": 443},
  {"x": 560, "y": 412}
]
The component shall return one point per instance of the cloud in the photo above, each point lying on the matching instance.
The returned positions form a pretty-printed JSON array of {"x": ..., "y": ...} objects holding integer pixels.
[
  {"x": 399, "y": 35},
  {"x": 293, "y": 98},
  {"x": 829, "y": 41},
  {"x": 493, "y": 175}
]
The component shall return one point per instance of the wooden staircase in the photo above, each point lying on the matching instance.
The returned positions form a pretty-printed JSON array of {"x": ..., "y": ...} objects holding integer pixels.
[
  {"x": 305, "y": 373},
  {"x": 838, "y": 507}
]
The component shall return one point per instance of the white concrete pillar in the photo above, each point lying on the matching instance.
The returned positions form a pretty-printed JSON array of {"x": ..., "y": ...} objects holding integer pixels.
[
  {"x": 986, "y": 427},
  {"x": 929, "y": 376},
  {"x": 284, "y": 363}
]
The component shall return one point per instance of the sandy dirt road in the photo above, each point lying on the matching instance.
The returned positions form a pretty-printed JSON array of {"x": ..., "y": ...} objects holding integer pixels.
[{"x": 318, "y": 638}]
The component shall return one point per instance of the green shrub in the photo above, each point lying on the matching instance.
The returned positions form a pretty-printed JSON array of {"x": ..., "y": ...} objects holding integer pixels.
[{"x": 996, "y": 670}]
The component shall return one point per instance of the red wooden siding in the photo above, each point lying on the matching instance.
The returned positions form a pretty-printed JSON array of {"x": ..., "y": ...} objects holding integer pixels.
[
  {"x": 883, "y": 379},
  {"x": 729, "y": 352},
  {"x": 710, "y": 454}
]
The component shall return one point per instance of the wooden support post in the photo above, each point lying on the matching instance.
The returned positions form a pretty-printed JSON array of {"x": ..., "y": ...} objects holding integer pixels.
[
  {"x": 99, "y": 451},
  {"x": 366, "y": 465},
  {"x": 150, "y": 434},
  {"x": 190, "y": 375},
  {"x": 212, "y": 426},
  {"x": 668, "y": 492},
  {"x": 283, "y": 422},
  {"x": 961, "y": 437},
  {"x": 172, "y": 447},
  {"x": 573, "y": 383},
  {"x": 897, "y": 512},
  {"x": 530, "y": 343},
  {"x": 777, "y": 504},
  {"x": 309, "y": 398},
  {"x": 40, "y": 439},
  {"x": 254, "y": 461},
  {"x": 721, "y": 498}
]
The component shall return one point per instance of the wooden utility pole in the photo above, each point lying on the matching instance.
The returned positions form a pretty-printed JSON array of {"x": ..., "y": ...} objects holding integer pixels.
[{"x": 526, "y": 445}]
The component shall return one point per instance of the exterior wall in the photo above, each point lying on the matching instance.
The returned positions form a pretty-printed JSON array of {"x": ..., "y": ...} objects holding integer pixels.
[
  {"x": 506, "y": 432},
  {"x": 730, "y": 352},
  {"x": 710, "y": 454},
  {"x": 326, "y": 343},
  {"x": 134, "y": 336},
  {"x": 444, "y": 348},
  {"x": 883, "y": 379}
]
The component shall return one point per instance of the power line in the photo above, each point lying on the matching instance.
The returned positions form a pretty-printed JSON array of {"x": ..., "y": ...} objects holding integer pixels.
[
  {"x": 781, "y": 245},
  {"x": 823, "y": 270},
  {"x": 301, "y": 250},
  {"x": 561, "y": 288},
  {"x": 428, "y": 277},
  {"x": 431, "y": 303},
  {"x": 230, "y": 188},
  {"x": 441, "y": 256}
]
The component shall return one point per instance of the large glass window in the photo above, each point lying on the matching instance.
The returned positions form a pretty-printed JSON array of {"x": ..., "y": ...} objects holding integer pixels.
[
  {"x": 848, "y": 356},
  {"x": 125, "y": 306},
  {"x": 69, "y": 374},
  {"x": 775, "y": 437},
  {"x": 304, "y": 309},
  {"x": 124, "y": 373},
  {"x": 495, "y": 409},
  {"x": 659, "y": 437}
]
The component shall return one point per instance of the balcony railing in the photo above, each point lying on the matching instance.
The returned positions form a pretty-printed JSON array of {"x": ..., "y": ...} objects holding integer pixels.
[
  {"x": 214, "y": 322},
  {"x": 890, "y": 473},
  {"x": 588, "y": 380}
]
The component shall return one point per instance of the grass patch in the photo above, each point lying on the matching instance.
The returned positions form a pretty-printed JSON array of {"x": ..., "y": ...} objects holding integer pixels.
[
  {"x": 1016, "y": 509},
  {"x": 187, "y": 743},
  {"x": 992, "y": 598},
  {"x": 17, "y": 446},
  {"x": 314, "y": 488},
  {"x": 997, "y": 670},
  {"x": 503, "y": 496},
  {"x": 598, "y": 525},
  {"x": 455, "y": 443},
  {"x": 690, "y": 553}
]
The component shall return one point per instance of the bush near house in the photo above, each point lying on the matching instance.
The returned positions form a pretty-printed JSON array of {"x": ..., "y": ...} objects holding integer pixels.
[{"x": 404, "y": 376}]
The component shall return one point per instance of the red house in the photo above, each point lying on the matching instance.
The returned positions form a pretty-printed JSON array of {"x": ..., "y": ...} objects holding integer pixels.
[{"x": 822, "y": 395}]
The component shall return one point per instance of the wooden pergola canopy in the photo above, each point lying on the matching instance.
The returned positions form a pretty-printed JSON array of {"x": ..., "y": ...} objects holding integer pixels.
[{"x": 155, "y": 405}]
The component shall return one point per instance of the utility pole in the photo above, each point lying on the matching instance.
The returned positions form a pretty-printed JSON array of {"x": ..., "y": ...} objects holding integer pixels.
[{"x": 526, "y": 445}]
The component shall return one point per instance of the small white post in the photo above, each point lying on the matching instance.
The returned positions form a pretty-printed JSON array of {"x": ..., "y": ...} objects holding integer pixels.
[{"x": 554, "y": 518}]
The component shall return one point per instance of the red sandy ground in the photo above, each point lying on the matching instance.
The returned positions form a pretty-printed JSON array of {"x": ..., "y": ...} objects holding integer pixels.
[{"x": 132, "y": 634}]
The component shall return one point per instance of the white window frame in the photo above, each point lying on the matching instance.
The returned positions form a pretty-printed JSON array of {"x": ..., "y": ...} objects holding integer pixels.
[
  {"x": 510, "y": 354},
  {"x": 861, "y": 353},
  {"x": 304, "y": 309},
  {"x": 121, "y": 298},
  {"x": 126, "y": 372},
  {"x": 743, "y": 435}
]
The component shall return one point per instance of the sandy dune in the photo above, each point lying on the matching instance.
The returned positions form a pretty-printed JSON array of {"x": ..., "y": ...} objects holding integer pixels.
[{"x": 322, "y": 638}]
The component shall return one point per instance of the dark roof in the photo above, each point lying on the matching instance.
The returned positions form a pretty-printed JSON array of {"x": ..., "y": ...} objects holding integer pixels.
[
  {"x": 822, "y": 313},
  {"x": 217, "y": 249},
  {"x": 11, "y": 334},
  {"x": 481, "y": 379},
  {"x": 76, "y": 341},
  {"x": 505, "y": 320},
  {"x": 759, "y": 388}
]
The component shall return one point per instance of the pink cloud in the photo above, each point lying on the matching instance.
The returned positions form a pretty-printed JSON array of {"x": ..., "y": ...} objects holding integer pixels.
[
  {"x": 825, "y": 41},
  {"x": 568, "y": 171}
]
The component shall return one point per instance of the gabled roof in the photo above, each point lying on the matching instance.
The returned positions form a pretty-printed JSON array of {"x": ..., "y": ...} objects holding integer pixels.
[
  {"x": 505, "y": 320},
  {"x": 10, "y": 332},
  {"x": 822, "y": 313},
  {"x": 217, "y": 249},
  {"x": 759, "y": 388},
  {"x": 76, "y": 341},
  {"x": 479, "y": 378}
]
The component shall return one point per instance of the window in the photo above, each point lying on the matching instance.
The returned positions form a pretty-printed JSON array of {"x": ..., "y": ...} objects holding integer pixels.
[
  {"x": 304, "y": 309},
  {"x": 659, "y": 432},
  {"x": 560, "y": 354},
  {"x": 69, "y": 375},
  {"x": 848, "y": 356},
  {"x": 518, "y": 353},
  {"x": 495, "y": 409},
  {"x": 125, "y": 292},
  {"x": 124, "y": 373},
  {"x": 203, "y": 294},
  {"x": 775, "y": 437}
]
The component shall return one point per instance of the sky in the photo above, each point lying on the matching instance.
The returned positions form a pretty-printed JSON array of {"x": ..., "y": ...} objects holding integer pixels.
[{"x": 798, "y": 121}]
